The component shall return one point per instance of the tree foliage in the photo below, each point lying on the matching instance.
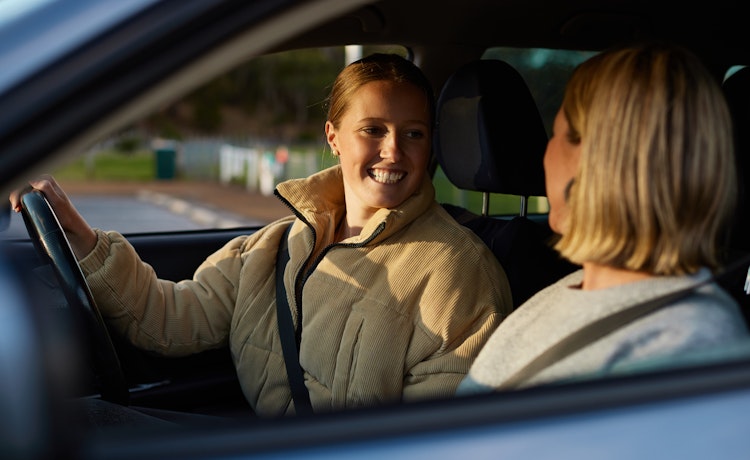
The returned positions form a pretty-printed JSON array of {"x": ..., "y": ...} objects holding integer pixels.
[{"x": 277, "y": 97}]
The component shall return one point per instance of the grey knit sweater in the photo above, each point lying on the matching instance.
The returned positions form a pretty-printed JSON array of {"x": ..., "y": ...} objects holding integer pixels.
[{"x": 706, "y": 318}]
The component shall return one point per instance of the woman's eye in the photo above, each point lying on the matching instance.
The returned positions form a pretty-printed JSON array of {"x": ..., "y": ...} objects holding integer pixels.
[
  {"x": 573, "y": 137},
  {"x": 372, "y": 130},
  {"x": 415, "y": 134}
]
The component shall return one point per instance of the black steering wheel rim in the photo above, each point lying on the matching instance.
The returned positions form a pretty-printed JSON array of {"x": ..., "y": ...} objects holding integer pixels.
[{"x": 54, "y": 248}]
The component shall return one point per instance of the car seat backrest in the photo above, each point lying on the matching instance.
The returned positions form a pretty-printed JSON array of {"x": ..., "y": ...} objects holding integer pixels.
[
  {"x": 490, "y": 138},
  {"x": 737, "y": 92}
]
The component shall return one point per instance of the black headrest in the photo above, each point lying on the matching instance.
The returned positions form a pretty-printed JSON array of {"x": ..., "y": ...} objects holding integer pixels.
[
  {"x": 490, "y": 136},
  {"x": 737, "y": 92}
]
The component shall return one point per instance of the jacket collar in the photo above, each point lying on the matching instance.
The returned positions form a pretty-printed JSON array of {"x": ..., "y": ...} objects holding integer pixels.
[{"x": 319, "y": 200}]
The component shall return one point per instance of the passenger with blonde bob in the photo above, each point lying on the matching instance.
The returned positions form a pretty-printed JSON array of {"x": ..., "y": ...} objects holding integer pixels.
[{"x": 641, "y": 184}]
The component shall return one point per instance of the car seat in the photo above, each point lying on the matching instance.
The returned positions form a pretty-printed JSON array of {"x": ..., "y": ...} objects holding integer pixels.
[
  {"x": 737, "y": 92},
  {"x": 490, "y": 138}
]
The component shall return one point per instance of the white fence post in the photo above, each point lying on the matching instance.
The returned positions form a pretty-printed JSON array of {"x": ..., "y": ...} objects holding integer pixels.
[{"x": 238, "y": 163}]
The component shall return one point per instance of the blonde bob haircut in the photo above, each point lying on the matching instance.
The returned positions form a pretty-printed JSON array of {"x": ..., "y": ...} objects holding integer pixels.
[{"x": 656, "y": 184}]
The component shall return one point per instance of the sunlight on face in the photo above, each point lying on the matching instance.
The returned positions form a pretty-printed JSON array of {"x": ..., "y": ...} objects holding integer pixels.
[
  {"x": 560, "y": 165},
  {"x": 384, "y": 144}
]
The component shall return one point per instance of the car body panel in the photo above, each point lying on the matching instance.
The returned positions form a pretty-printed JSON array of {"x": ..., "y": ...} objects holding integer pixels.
[
  {"x": 123, "y": 59},
  {"x": 611, "y": 421}
]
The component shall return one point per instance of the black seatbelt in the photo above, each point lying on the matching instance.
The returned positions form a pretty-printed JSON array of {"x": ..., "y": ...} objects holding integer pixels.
[{"x": 300, "y": 395}]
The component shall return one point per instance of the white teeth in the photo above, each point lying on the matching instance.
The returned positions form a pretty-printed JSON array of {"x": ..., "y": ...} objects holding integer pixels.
[{"x": 386, "y": 177}]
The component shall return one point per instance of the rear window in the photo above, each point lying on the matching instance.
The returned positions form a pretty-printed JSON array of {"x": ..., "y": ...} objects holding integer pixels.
[{"x": 545, "y": 71}]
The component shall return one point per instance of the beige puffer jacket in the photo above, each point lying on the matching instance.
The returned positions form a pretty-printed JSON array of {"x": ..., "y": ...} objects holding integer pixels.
[{"x": 396, "y": 314}]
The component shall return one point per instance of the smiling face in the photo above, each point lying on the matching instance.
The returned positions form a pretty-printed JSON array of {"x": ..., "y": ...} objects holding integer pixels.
[{"x": 383, "y": 143}]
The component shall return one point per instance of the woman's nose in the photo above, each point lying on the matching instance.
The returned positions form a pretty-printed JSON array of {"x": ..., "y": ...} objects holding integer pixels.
[{"x": 391, "y": 149}]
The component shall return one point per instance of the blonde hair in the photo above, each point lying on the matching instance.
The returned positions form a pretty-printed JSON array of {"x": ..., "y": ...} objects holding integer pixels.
[
  {"x": 656, "y": 183},
  {"x": 375, "y": 67}
]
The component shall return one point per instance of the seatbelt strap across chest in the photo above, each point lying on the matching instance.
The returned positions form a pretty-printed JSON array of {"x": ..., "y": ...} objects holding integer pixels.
[{"x": 300, "y": 395}]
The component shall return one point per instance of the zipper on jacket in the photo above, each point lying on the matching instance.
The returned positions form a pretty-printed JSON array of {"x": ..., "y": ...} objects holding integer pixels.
[
  {"x": 302, "y": 276},
  {"x": 298, "y": 281}
]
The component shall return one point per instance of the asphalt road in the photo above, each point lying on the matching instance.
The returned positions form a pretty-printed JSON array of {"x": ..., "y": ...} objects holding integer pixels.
[{"x": 164, "y": 206}]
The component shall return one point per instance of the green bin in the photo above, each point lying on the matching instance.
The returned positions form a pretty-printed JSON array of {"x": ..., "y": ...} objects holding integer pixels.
[{"x": 165, "y": 163}]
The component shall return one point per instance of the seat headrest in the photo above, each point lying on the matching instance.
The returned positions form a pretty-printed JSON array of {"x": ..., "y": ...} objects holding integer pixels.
[
  {"x": 489, "y": 134},
  {"x": 737, "y": 92}
]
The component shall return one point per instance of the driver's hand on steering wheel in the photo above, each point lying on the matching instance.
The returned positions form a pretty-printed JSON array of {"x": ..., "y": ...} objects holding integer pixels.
[{"x": 81, "y": 236}]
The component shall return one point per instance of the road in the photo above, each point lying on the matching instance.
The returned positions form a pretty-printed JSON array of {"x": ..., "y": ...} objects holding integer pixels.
[{"x": 165, "y": 206}]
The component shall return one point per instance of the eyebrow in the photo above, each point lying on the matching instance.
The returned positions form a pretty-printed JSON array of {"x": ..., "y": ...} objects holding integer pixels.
[{"x": 376, "y": 119}]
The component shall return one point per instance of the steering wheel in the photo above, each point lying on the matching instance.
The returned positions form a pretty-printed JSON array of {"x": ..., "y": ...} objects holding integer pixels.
[{"x": 53, "y": 246}]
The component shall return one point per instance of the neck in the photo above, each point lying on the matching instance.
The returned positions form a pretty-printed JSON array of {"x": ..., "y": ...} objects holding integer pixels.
[
  {"x": 344, "y": 230},
  {"x": 597, "y": 276}
]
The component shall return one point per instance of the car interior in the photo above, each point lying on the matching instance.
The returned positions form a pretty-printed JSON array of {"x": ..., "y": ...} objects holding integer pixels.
[
  {"x": 490, "y": 138},
  {"x": 737, "y": 90}
]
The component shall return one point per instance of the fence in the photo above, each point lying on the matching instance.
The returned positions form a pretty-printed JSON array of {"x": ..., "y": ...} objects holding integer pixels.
[{"x": 259, "y": 168}]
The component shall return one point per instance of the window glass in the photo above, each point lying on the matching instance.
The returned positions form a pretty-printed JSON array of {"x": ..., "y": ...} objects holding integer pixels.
[
  {"x": 12, "y": 10},
  {"x": 244, "y": 132},
  {"x": 732, "y": 70},
  {"x": 545, "y": 71},
  {"x": 236, "y": 136}
]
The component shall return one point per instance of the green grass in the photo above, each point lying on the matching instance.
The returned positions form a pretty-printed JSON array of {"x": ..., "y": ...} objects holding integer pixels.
[{"x": 138, "y": 166}]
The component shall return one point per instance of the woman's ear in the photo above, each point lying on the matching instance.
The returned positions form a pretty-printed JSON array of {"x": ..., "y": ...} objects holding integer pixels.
[{"x": 331, "y": 136}]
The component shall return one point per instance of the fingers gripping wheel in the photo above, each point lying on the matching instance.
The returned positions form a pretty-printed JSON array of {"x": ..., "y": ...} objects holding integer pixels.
[{"x": 51, "y": 243}]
